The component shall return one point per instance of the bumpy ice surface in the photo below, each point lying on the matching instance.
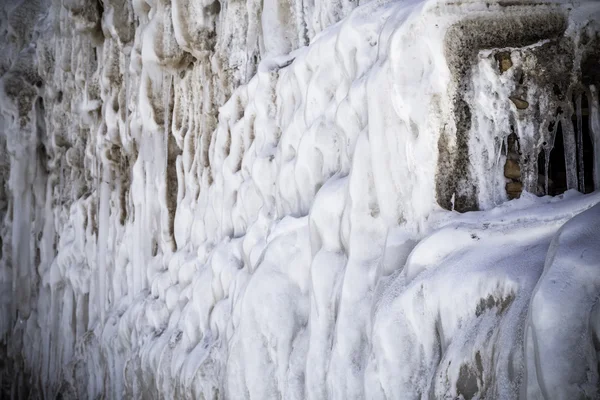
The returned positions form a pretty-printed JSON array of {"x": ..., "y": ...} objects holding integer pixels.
[{"x": 242, "y": 200}]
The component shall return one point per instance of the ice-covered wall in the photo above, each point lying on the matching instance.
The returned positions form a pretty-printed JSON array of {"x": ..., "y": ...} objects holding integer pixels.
[{"x": 228, "y": 199}]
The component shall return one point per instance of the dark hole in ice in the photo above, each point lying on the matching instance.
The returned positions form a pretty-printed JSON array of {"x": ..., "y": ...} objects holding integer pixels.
[
  {"x": 556, "y": 90},
  {"x": 557, "y": 171},
  {"x": 588, "y": 160},
  {"x": 213, "y": 9}
]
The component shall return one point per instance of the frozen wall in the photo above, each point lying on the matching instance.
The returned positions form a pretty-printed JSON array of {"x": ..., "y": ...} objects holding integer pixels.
[{"x": 205, "y": 199}]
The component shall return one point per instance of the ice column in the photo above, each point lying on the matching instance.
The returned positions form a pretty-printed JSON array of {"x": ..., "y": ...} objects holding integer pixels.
[
  {"x": 580, "y": 144},
  {"x": 570, "y": 151},
  {"x": 595, "y": 132}
]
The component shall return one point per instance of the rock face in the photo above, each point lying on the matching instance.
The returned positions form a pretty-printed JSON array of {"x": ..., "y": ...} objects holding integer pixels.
[
  {"x": 541, "y": 80},
  {"x": 504, "y": 61},
  {"x": 224, "y": 199},
  {"x": 519, "y": 103},
  {"x": 512, "y": 169}
]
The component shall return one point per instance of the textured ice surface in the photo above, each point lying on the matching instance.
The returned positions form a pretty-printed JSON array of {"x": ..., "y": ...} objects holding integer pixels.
[{"x": 259, "y": 199}]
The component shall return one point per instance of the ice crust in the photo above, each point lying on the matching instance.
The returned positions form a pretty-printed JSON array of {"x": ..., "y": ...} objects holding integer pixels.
[{"x": 204, "y": 199}]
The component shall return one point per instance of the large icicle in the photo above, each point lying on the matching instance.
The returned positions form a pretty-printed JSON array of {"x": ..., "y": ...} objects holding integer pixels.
[
  {"x": 102, "y": 243},
  {"x": 595, "y": 132},
  {"x": 570, "y": 152},
  {"x": 166, "y": 237},
  {"x": 580, "y": 166}
]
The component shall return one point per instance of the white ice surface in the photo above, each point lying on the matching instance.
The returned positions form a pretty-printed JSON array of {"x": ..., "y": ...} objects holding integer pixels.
[{"x": 238, "y": 200}]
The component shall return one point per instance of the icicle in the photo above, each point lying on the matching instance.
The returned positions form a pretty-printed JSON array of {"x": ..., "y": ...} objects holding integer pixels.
[
  {"x": 167, "y": 102},
  {"x": 570, "y": 152},
  {"x": 301, "y": 27},
  {"x": 138, "y": 262},
  {"x": 595, "y": 132},
  {"x": 499, "y": 151},
  {"x": 546, "y": 167},
  {"x": 547, "y": 150},
  {"x": 127, "y": 85},
  {"x": 580, "y": 144},
  {"x": 524, "y": 147},
  {"x": 21, "y": 178},
  {"x": 103, "y": 220},
  {"x": 163, "y": 220}
]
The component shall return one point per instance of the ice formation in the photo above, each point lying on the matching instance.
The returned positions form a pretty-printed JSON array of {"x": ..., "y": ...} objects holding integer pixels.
[{"x": 298, "y": 199}]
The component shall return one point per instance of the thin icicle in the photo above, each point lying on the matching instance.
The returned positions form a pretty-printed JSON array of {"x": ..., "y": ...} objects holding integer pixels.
[
  {"x": 580, "y": 144},
  {"x": 103, "y": 221},
  {"x": 166, "y": 103},
  {"x": 127, "y": 88},
  {"x": 595, "y": 132},
  {"x": 547, "y": 151},
  {"x": 499, "y": 151},
  {"x": 164, "y": 214},
  {"x": 546, "y": 167},
  {"x": 570, "y": 152}
]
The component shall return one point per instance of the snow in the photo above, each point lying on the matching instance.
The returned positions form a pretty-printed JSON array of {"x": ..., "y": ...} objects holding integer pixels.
[
  {"x": 562, "y": 322},
  {"x": 207, "y": 199}
]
